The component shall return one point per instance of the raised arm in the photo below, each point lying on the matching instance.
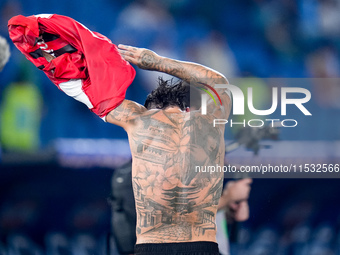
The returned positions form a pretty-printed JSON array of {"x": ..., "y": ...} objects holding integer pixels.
[
  {"x": 187, "y": 71},
  {"x": 124, "y": 115}
]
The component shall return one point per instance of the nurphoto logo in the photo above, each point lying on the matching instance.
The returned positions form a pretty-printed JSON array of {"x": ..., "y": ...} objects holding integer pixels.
[{"x": 238, "y": 104}]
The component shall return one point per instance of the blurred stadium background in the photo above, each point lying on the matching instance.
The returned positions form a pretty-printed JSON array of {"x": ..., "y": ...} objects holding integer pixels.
[{"x": 57, "y": 157}]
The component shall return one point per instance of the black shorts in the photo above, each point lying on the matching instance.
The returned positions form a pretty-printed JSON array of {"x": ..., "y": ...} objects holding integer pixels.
[{"x": 187, "y": 248}]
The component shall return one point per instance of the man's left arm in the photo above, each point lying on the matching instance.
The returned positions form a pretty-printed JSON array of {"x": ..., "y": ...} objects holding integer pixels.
[{"x": 189, "y": 72}]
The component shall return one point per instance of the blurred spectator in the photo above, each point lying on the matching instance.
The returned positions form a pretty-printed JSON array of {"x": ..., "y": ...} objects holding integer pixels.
[
  {"x": 329, "y": 18},
  {"x": 278, "y": 20},
  {"x": 21, "y": 244},
  {"x": 324, "y": 63},
  {"x": 4, "y": 52},
  {"x": 57, "y": 244},
  {"x": 320, "y": 18},
  {"x": 20, "y": 114},
  {"x": 123, "y": 216},
  {"x": 233, "y": 207},
  {"x": 213, "y": 51},
  {"x": 145, "y": 20},
  {"x": 4, "y": 57}
]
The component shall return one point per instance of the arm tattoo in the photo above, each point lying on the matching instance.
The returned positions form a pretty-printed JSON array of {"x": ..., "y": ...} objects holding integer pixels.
[
  {"x": 125, "y": 113},
  {"x": 194, "y": 74},
  {"x": 190, "y": 72},
  {"x": 148, "y": 60}
]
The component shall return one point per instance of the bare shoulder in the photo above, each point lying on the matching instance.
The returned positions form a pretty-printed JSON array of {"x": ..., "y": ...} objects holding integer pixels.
[{"x": 126, "y": 114}]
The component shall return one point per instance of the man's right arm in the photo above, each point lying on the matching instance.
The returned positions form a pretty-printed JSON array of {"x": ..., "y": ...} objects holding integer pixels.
[
  {"x": 125, "y": 114},
  {"x": 187, "y": 71}
]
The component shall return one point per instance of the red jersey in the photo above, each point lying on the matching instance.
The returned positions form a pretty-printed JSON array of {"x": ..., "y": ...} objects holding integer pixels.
[{"x": 87, "y": 66}]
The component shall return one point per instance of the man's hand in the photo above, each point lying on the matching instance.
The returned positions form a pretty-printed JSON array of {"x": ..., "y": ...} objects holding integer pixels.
[
  {"x": 239, "y": 211},
  {"x": 235, "y": 198},
  {"x": 143, "y": 58},
  {"x": 238, "y": 191}
]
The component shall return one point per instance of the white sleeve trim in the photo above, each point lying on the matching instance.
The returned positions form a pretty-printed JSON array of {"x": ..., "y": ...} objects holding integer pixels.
[{"x": 73, "y": 88}]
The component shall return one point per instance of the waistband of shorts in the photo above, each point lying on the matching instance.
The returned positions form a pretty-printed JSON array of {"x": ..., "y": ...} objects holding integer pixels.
[{"x": 170, "y": 248}]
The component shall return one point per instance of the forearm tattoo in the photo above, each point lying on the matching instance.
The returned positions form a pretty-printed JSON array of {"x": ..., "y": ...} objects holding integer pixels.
[{"x": 148, "y": 60}]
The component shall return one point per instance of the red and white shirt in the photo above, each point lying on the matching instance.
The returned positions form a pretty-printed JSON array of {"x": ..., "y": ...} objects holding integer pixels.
[{"x": 87, "y": 66}]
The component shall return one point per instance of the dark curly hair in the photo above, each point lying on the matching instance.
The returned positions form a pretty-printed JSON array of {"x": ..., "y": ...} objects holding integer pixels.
[{"x": 169, "y": 93}]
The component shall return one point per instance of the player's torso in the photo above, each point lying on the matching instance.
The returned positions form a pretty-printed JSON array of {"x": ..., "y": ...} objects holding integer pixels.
[{"x": 176, "y": 199}]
